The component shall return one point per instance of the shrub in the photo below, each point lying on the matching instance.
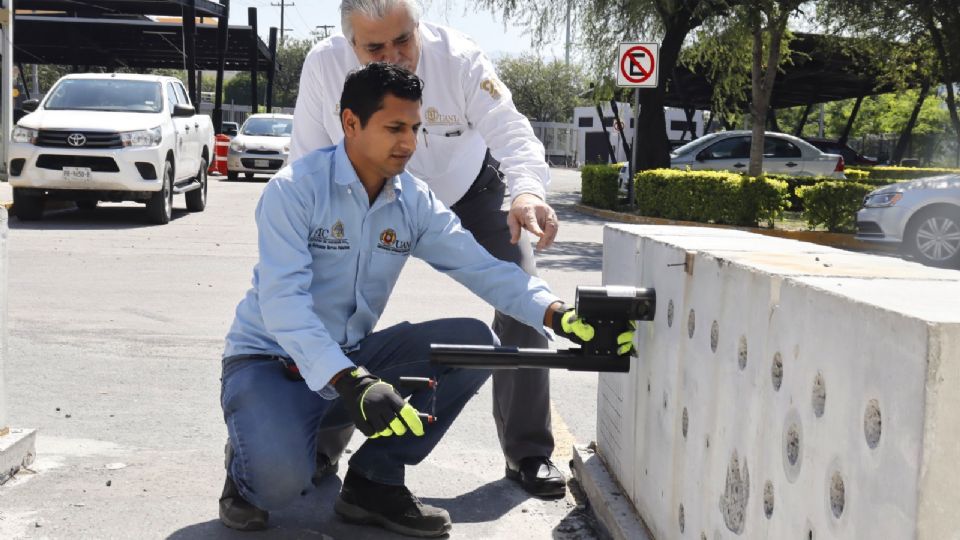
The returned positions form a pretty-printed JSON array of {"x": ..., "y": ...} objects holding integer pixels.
[
  {"x": 833, "y": 204},
  {"x": 709, "y": 196},
  {"x": 890, "y": 173},
  {"x": 599, "y": 186},
  {"x": 856, "y": 175}
]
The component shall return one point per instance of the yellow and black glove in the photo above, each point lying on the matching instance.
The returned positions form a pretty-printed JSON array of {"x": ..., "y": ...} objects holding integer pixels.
[
  {"x": 567, "y": 323},
  {"x": 376, "y": 408},
  {"x": 625, "y": 340}
]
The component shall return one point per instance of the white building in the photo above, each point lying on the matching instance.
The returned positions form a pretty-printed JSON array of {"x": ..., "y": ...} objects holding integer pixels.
[{"x": 592, "y": 143}]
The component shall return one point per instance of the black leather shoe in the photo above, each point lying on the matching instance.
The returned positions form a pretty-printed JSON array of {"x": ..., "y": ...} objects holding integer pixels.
[
  {"x": 391, "y": 507},
  {"x": 539, "y": 477},
  {"x": 237, "y": 513},
  {"x": 324, "y": 468}
]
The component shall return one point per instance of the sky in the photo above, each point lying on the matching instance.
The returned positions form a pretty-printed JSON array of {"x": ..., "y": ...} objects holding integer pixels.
[{"x": 486, "y": 28}]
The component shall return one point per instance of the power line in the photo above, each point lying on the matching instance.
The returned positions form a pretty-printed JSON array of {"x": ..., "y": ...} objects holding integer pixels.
[
  {"x": 282, "y": 5},
  {"x": 325, "y": 28}
]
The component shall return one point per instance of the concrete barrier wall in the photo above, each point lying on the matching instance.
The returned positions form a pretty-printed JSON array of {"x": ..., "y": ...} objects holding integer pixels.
[
  {"x": 785, "y": 390},
  {"x": 4, "y": 230}
]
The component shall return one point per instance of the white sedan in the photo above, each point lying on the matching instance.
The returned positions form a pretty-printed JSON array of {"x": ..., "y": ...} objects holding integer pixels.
[
  {"x": 261, "y": 147},
  {"x": 782, "y": 154}
]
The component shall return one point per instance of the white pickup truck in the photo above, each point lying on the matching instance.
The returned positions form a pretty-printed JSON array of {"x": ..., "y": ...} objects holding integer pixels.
[{"x": 111, "y": 137}]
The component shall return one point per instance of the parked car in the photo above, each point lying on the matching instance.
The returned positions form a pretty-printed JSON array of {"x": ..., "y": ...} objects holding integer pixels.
[
  {"x": 230, "y": 129},
  {"x": 623, "y": 178},
  {"x": 261, "y": 147},
  {"x": 782, "y": 154},
  {"x": 850, "y": 156},
  {"x": 111, "y": 137},
  {"x": 922, "y": 216}
]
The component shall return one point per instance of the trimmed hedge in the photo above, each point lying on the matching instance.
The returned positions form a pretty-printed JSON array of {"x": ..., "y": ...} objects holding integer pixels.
[
  {"x": 599, "y": 186},
  {"x": 709, "y": 196},
  {"x": 890, "y": 173},
  {"x": 833, "y": 204},
  {"x": 856, "y": 175}
]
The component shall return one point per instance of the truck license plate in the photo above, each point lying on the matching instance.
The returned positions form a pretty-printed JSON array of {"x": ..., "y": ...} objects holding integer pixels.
[
  {"x": 261, "y": 163},
  {"x": 76, "y": 173}
]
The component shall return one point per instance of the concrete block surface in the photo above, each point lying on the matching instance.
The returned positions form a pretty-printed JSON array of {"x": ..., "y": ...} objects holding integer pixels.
[{"x": 784, "y": 391}]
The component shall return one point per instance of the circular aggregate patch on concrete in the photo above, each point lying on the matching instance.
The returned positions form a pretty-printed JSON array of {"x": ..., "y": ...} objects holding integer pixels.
[{"x": 872, "y": 423}]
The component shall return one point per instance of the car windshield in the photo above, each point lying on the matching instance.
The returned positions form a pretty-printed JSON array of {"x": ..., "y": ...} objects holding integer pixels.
[
  {"x": 696, "y": 143},
  {"x": 268, "y": 127},
  {"x": 106, "y": 95}
]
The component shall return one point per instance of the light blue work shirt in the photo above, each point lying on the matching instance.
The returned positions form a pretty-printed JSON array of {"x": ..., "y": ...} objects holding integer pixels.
[{"x": 329, "y": 260}]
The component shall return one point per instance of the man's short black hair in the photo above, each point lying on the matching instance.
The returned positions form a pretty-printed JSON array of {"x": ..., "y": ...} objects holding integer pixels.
[{"x": 365, "y": 88}]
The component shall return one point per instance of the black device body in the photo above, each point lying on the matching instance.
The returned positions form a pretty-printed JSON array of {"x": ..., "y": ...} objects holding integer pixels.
[{"x": 608, "y": 309}]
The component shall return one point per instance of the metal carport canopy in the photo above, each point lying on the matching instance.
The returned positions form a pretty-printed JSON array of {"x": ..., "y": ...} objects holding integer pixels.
[
  {"x": 824, "y": 68},
  {"x": 101, "y": 8},
  {"x": 133, "y": 43}
]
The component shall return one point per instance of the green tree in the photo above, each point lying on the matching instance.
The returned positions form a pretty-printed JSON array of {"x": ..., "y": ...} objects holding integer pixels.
[
  {"x": 603, "y": 24},
  {"x": 927, "y": 47},
  {"x": 237, "y": 89},
  {"x": 286, "y": 82},
  {"x": 753, "y": 42},
  {"x": 547, "y": 92}
]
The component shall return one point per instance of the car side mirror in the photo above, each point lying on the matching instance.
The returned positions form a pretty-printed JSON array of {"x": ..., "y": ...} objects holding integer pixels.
[
  {"x": 30, "y": 105},
  {"x": 702, "y": 156},
  {"x": 183, "y": 111}
]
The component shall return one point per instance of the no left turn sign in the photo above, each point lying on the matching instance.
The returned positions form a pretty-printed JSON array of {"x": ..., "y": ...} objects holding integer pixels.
[{"x": 637, "y": 65}]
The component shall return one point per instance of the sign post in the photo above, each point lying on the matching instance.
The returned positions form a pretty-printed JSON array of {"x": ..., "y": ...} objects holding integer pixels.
[{"x": 637, "y": 68}]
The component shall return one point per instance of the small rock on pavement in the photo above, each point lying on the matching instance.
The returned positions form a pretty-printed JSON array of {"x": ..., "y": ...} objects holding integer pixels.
[{"x": 109, "y": 483}]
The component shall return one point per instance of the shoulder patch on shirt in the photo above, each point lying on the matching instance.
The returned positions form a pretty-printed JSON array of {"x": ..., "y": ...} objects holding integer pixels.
[
  {"x": 333, "y": 238},
  {"x": 492, "y": 87},
  {"x": 390, "y": 243}
]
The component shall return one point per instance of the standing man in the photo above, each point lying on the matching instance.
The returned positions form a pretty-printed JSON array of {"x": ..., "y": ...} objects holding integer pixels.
[
  {"x": 472, "y": 138},
  {"x": 334, "y": 230}
]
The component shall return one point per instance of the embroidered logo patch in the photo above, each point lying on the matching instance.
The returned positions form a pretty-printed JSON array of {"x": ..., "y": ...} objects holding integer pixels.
[
  {"x": 492, "y": 87},
  {"x": 390, "y": 242},
  {"x": 435, "y": 117},
  {"x": 334, "y": 238}
]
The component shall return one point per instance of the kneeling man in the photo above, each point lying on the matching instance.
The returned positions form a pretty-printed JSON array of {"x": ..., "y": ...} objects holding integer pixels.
[{"x": 334, "y": 230}]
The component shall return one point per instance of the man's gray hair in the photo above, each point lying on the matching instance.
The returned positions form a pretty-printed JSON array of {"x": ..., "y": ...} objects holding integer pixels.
[{"x": 373, "y": 9}]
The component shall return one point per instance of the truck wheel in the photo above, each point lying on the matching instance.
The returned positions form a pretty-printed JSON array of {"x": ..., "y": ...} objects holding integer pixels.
[
  {"x": 86, "y": 204},
  {"x": 233, "y": 176},
  {"x": 160, "y": 205},
  {"x": 27, "y": 207},
  {"x": 197, "y": 199}
]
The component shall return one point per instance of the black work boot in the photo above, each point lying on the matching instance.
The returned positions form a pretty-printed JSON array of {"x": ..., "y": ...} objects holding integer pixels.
[
  {"x": 235, "y": 511},
  {"x": 391, "y": 507},
  {"x": 324, "y": 468},
  {"x": 539, "y": 477}
]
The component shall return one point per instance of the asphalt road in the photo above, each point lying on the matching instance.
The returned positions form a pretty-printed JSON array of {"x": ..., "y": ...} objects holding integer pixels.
[{"x": 115, "y": 333}]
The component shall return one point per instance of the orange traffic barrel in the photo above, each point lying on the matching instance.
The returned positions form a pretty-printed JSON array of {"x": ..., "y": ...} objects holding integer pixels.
[{"x": 219, "y": 165}]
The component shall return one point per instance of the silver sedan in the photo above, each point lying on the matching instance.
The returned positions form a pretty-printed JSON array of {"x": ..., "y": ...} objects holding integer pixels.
[
  {"x": 782, "y": 154},
  {"x": 923, "y": 216}
]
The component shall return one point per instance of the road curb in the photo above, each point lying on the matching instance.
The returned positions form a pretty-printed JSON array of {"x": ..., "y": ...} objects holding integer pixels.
[
  {"x": 835, "y": 240},
  {"x": 613, "y": 510}
]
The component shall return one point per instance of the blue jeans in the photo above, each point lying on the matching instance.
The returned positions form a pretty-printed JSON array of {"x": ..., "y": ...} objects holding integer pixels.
[{"x": 272, "y": 421}]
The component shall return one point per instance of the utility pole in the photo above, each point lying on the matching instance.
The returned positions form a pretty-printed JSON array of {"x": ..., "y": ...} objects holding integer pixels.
[
  {"x": 325, "y": 29},
  {"x": 282, "y": 5},
  {"x": 567, "y": 48}
]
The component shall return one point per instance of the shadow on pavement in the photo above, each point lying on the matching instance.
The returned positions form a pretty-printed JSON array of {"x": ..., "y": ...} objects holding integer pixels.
[
  {"x": 101, "y": 218},
  {"x": 309, "y": 517},
  {"x": 488, "y": 502},
  {"x": 579, "y": 523},
  {"x": 577, "y": 256}
]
